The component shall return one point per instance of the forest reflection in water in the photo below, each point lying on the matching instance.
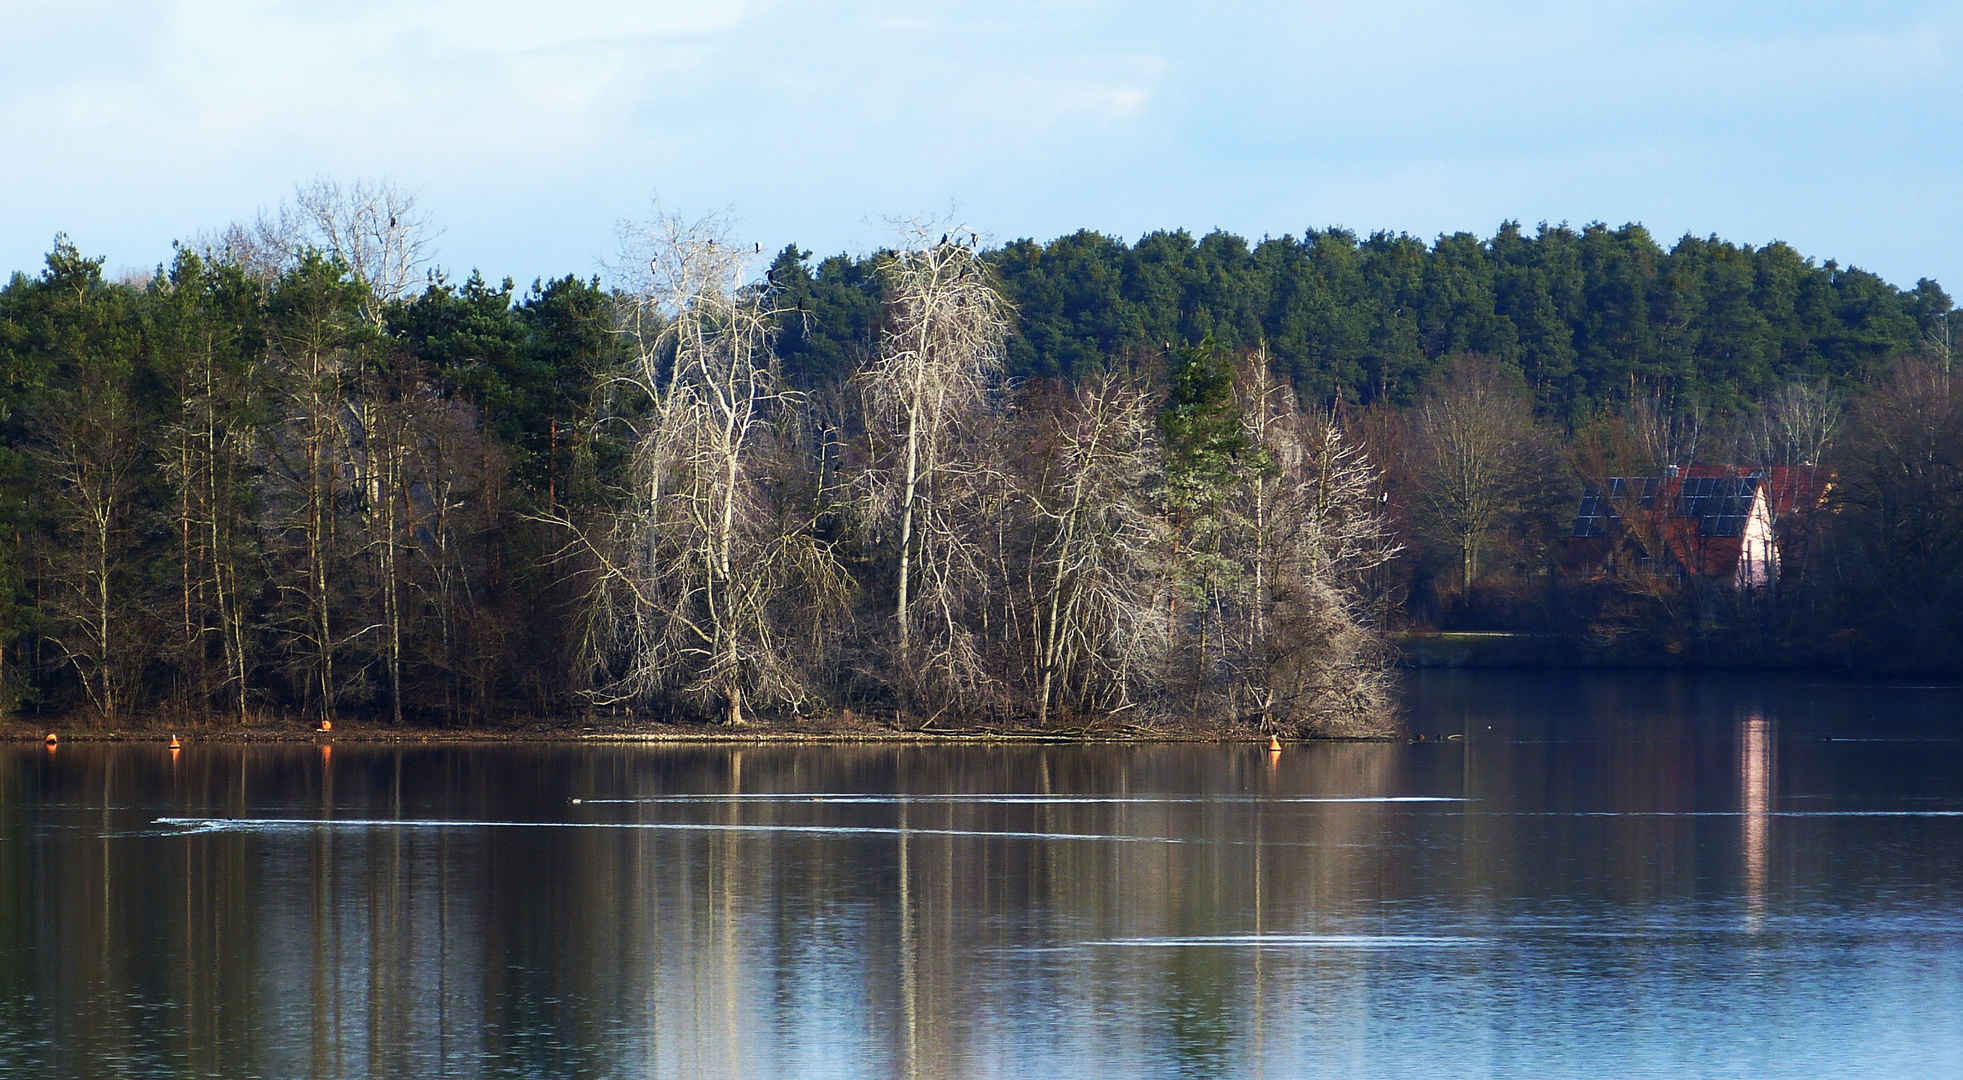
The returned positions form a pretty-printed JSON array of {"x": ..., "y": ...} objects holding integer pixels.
[{"x": 1653, "y": 876}]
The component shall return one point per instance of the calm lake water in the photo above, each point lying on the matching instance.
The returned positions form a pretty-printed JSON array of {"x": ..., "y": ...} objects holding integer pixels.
[{"x": 1607, "y": 875}]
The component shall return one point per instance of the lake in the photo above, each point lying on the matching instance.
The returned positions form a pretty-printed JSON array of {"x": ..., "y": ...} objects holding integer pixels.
[{"x": 1617, "y": 874}]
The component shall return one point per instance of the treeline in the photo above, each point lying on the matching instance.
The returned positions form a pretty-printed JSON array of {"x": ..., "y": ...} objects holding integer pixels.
[
  {"x": 267, "y": 482},
  {"x": 1590, "y": 318},
  {"x": 1577, "y": 355},
  {"x": 237, "y": 494},
  {"x": 1182, "y": 481}
]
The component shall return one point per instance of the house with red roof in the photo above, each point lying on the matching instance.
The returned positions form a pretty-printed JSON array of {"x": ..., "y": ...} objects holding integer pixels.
[{"x": 1719, "y": 523}]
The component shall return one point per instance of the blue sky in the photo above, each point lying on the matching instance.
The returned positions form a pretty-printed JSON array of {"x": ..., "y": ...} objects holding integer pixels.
[{"x": 528, "y": 130}]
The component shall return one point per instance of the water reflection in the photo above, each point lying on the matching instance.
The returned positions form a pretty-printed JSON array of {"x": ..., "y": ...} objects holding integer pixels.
[
  {"x": 1565, "y": 902},
  {"x": 1755, "y": 788}
]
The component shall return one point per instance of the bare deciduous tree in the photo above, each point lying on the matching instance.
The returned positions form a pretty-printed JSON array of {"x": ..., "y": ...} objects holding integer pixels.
[
  {"x": 694, "y": 561},
  {"x": 927, "y": 394},
  {"x": 1899, "y": 494},
  {"x": 1795, "y": 425},
  {"x": 208, "y": 453},
  {"x": 1310, "y": 530},
  {"x": 1095, "y": 624},
  {"x": 92, "y": 451},
  {"x": 1670, "y": 431},
  {"x": 1472, "y": 431},
  {"x": 371, "y": 227}
]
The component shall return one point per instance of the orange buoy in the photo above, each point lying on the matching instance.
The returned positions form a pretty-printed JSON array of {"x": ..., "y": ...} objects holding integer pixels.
[
  {"x": 327, "y": 725},
  {"x": 173, "y": 742},
  {"x": 1274, "y": 744},
  {"x": 52, "y": 739}
]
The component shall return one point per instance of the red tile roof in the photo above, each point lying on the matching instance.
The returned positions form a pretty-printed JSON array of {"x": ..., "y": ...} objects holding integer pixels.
[{"x": 1699, "y": 514}]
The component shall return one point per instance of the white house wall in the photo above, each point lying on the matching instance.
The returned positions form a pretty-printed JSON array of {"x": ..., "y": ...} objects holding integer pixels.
[{"x": 1758, "y": 556}]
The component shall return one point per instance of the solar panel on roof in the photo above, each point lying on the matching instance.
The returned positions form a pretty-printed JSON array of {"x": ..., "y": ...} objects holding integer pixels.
[
  {"x": 1719, "y": 503},
  {"x": 1588, "y": 520},
  {"x": 1600, "y": 506}
]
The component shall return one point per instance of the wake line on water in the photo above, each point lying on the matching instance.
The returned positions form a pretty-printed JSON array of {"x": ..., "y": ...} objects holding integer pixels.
[
  {"x": 1729, "y": 813},
  {"x": 1270, "y": 941},
  {"x": 189, "y": 826},
  {"x": 1009, "y": 800}
]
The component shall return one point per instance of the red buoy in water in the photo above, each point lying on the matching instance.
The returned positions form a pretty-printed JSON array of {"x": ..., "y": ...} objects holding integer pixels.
[{"x": 1274, "y": 744}]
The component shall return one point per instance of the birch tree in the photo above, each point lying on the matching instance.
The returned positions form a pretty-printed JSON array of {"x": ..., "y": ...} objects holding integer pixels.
[
  {"x": 1669, "y": 430},
  {"x": 210, "y": 356},
  {"x": 372, "y": 227},
  {"x": 931, "y": 475},
  {"x": 315, "y": 339},
  {"x": 1094, "y": 624},
  {"x": 1311, "y": 531},
  {"x": 690, "y": 567},
  {"x": 1795, "y": 425},
  {"x": 381, "y": 430},
  {"x": 92, "y": 455}
]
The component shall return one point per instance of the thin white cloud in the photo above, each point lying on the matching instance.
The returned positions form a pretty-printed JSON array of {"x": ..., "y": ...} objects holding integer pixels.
[{"x": 530, "y": 128}]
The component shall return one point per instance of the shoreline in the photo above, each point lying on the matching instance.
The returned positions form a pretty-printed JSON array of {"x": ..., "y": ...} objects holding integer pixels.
[
  {"x": 951, "y": 738},
  {"x": 660, "y": 735}
]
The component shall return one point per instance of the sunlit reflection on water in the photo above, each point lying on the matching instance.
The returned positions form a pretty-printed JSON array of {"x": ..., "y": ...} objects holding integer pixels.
[
  {"x": 1755, "y": 784},
  {"x": 1629, "y": 877}
]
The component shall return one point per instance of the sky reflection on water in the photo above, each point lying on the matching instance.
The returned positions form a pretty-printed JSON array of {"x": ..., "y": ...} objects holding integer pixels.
[{"x": 1608, "y": 875}]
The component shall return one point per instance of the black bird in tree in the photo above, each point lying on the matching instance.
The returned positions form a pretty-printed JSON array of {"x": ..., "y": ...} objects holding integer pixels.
[{"x": 943, "y": 238}]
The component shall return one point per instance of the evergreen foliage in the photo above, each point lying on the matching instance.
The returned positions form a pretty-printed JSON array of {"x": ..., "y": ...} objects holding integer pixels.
[{"x": 1591, "y": 317}]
